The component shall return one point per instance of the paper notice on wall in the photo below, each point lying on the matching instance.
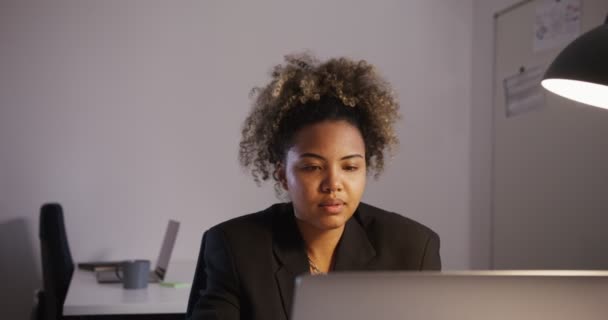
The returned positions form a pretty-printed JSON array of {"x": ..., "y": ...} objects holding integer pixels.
[
  {"x": 523, "y": 92},
  {"x": 556, "y": 24}
]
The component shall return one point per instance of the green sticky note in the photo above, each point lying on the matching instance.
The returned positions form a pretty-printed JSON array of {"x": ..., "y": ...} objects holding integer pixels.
[{"x": 175, "y": 284}]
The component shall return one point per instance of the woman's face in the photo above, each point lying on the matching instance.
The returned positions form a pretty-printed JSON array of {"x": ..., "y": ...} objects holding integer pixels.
[{"x": 324, "y": 173}]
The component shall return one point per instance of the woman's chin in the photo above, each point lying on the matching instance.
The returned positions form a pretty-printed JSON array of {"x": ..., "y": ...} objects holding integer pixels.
[
  {"x": 324, "y": 221},
  {"x": 331, "y": 223}
]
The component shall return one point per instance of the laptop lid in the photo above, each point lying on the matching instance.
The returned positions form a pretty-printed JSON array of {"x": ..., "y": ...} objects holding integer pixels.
[
  {"x": 496, "y": 295},
  {"x": 162, "y": 263}
]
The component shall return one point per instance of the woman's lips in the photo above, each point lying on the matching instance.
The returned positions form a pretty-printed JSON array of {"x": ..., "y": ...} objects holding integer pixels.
[{"x": 332, "y": 207}]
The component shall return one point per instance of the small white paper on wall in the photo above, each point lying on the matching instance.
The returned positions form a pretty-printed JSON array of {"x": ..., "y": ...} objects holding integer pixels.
[
  {"x": 523, "y": 92},
  {"x": 557, "y": 23}
]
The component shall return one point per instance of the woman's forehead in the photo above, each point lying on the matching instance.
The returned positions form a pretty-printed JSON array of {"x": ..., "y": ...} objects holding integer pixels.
[{"x": 329, "y": 139}]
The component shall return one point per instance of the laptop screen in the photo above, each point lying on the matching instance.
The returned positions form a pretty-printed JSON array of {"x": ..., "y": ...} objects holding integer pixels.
[
  {"x": 496, "y": 295},
  {"x": 162, "y": 263}
]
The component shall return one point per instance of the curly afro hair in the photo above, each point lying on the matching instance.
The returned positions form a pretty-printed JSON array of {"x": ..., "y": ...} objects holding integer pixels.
[{"x": 305, "y": 91}]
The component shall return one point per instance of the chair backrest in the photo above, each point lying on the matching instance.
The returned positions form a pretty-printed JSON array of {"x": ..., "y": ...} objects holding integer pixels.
[
  {"x": 200, "y": 280},
  {"x": 57, "y": 264}
]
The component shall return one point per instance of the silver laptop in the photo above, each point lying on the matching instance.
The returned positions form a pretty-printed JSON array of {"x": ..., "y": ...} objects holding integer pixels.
[
  {"x": 496, "y": 295},
  {"x": 162, "y": 263}
]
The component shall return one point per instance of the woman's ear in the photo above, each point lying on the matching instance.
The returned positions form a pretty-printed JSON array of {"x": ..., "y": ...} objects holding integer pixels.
[{"x": 281, "y": 176}]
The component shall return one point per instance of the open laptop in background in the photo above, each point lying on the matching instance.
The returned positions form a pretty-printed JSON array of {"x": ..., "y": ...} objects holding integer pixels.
[
  {"x": 108, "y": 274},
  {"x": 470, "y": 295}
]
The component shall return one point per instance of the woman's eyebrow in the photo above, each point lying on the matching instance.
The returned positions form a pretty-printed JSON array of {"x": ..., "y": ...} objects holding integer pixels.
[
  {"x": 312, "y": 155},
  {"x": 316, "y": 156},
  {"x": 351, "y": 156}
]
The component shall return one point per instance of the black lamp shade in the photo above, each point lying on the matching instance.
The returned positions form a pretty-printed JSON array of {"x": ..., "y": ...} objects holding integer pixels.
[{"x": 580, "y": 71}]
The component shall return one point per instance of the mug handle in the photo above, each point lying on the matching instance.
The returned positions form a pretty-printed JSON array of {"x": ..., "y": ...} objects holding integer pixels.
[{"x": 116, "y": 270}]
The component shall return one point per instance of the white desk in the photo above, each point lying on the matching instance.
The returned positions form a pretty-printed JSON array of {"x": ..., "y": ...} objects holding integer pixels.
[{"x": 87, "y": 297}]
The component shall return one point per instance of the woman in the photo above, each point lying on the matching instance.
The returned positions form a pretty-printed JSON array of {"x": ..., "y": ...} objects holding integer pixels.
[{"x": 317, "y": 129}]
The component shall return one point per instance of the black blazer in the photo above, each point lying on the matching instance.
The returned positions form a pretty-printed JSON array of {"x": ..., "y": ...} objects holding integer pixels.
[{"x": 247, "y": 266}]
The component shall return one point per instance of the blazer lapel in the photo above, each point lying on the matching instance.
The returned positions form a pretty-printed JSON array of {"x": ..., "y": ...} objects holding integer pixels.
[
  {"x": 288, "y": 248},
  {"x": 354, "y": 250}
]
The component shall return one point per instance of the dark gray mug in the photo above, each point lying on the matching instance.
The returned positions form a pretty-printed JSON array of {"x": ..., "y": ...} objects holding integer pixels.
[{"x": 134, "y": 274}]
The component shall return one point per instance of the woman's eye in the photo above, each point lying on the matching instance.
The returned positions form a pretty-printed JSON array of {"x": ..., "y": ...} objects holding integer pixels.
[
  {"x": 311, "y": 168},
  {"x": 351, "y": 168}
]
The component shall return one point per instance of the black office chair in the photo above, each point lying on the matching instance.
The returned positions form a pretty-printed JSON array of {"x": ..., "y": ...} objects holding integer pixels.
[
  {"x": 57, "y": 264},
  {"x": 200, "y": 280}
]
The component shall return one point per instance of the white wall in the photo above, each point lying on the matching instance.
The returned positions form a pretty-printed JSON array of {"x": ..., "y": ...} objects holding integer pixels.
[
  {"x": 128, "y": 113},
  {"x": 562, "y": 203},
  {"x": 481, "y": 129}
]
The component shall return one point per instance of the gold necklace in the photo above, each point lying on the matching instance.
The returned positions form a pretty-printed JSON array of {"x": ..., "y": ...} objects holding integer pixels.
[{"x": 314, "y": 270}]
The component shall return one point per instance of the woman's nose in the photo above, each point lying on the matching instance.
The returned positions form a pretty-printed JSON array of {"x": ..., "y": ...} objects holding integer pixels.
[{"x": 332, "y": 182}]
